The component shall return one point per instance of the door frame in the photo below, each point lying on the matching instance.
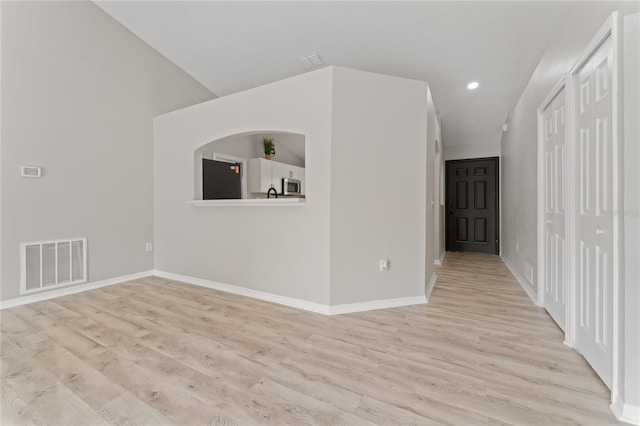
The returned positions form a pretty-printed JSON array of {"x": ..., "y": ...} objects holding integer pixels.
[
  {"x": 569, "y": 199},
  {"x": 446, "y": 197},
  {"x": 610, "y": 28}
]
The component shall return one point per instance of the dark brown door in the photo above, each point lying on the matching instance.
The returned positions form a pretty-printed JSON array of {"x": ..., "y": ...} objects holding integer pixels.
[{"x": 472, "y": 205}]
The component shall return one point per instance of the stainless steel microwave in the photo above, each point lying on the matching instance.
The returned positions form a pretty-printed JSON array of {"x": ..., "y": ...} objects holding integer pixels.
[{"x": 291, "y": 186}]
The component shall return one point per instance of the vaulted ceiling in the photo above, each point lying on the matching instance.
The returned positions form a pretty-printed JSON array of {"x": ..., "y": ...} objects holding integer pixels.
[{"x": 232, "y": 46}]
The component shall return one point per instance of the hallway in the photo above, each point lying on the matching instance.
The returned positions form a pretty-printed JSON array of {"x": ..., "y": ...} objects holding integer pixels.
[
  {"x": 155, "y": 351},
  {"x": 513, "y": 346}
]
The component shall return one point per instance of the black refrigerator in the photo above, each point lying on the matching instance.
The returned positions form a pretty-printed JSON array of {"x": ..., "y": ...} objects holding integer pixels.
[{"x": 220, "y": 180}]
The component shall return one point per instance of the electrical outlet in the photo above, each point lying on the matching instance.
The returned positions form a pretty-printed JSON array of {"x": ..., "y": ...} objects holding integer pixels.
[
  {"x": 385, "y": 265},
  {"x": 528, "y": 272},
  {"x": 148, "y": 246}
]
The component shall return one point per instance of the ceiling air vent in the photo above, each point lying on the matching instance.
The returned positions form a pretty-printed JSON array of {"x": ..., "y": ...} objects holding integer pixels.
[
  {"x": 311, "y": 60},
  {"x": 51, "y": 264}
]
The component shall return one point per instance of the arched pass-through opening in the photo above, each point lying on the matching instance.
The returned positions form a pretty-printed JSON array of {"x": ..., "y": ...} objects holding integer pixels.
[{"x": 235, "y": 167}]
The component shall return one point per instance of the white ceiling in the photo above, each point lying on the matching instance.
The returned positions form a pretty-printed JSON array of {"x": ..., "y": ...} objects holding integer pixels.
[{"x": 232, "y": 46}]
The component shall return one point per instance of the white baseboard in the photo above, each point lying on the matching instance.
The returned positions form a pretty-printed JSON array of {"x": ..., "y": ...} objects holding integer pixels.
[
  {"x": 243, "y": 291},
  {"x": 432, "y": 283},
  {"x": 625, "y": 412},
  {"x": 376, "y": 304},
  {"x": 293, "y": 302},
  {"x": 39, "y": 297},
  {"x": 440, "y": 261},
  {"x": 522, "y": 281}
]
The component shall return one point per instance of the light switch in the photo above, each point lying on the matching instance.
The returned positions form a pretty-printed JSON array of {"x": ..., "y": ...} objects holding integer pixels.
[{"x": 384, "y": 265}]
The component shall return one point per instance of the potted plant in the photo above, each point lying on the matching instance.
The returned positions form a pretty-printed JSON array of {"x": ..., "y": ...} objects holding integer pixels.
[{"x": 269, "y": 147}]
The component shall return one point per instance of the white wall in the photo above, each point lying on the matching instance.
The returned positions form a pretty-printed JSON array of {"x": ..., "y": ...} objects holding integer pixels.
[
  {"x": 630, "y": 373},
  {"x": 519, "y": 168},
  {"x": 244, "y": 146},
  {"x": 518, "y": 145},
  {"x": 250, "y": 146},
  {"x": 480, "y": 150},
  {"x": 439, "y": 187},
  {"x": 78, "y": 95},
  {"x": 279, "y": 250},
  {"x": 378, "y": 186},
  {"x": 367, "y": 182},
  {"x": 430, "y": 201}
]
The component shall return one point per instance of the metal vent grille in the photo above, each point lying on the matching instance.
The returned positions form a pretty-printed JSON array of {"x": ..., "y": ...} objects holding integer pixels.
[{"x": 51, "y": 264}]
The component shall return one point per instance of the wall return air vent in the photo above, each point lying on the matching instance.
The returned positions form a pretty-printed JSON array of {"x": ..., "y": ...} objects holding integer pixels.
[{"x": 52, "y": 264}]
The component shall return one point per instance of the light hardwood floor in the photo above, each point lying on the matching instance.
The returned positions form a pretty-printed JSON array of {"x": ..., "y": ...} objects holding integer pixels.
[{"x": 155, "y": 351}]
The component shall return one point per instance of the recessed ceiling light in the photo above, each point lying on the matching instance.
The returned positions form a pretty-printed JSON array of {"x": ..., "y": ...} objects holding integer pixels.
[{"x": 473, "y": 85}]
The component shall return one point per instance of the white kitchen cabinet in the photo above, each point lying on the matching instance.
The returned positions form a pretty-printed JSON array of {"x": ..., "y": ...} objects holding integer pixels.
[
  {"x": 287, "y": 170},
  {"x": 291, "y": 171},
  {"x": 298, "y": 173},
  {"x": 264, "y": 174},
  {"x": 276, "y": 174},
  {"x": 260, "y": 176}
]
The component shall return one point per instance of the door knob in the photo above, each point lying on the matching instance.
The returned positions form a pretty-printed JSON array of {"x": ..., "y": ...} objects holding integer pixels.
[{"x": 599, "y": 231}]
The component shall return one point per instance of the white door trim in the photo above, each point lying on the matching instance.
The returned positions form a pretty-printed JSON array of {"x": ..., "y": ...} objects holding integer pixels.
[
  {"x": 570, "y": 229},
  {"x": 559, "y": 87},
  {"x": 611, "y": 28}
]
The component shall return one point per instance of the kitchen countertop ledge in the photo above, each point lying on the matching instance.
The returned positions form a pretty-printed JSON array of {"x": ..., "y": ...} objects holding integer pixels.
[{"x": 253, "y": 202}]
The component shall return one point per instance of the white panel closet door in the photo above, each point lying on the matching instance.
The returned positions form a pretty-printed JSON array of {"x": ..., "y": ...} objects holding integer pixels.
[
  {"x": 554, "y": 210},
  {"x": 594, "y": 224}
]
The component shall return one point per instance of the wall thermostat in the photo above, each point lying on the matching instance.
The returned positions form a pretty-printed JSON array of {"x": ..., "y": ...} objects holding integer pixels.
[{"x": 31, "y": 171}]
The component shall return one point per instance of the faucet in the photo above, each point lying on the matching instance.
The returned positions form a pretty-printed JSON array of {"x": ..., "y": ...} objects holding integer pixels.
[{"x": 275, "y": 192}]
